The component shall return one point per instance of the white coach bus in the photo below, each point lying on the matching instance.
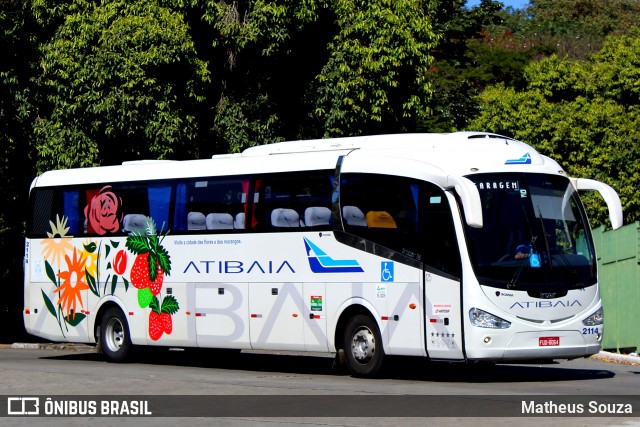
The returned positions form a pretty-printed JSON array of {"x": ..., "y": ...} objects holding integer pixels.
[{"x": 462, "y": 247}]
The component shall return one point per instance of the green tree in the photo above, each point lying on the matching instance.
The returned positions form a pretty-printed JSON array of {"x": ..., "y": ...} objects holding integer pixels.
[
  {"x": 578, "y": 28},
  {"x": 376, "y": 77},
  {"x": 582, "y": 113},
  {"x": 477, "y": 48},
  {"x": 263, "y": 56},
  {"x": 17, "y": 110},
  {"x": 122, "y": 81}
]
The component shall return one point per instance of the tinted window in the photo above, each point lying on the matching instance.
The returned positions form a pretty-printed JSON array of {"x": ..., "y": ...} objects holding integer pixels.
[{"x": 409, "y": 216}]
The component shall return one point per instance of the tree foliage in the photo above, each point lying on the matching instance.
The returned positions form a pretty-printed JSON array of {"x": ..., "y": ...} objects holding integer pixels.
[
  {"x": 582, "y": 113},
  {"x": 375, "y": 78},
  {"x": 121, "y": 80}
]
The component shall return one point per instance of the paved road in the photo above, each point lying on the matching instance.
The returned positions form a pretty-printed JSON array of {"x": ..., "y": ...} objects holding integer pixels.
[{"x": 82, "y": 372}]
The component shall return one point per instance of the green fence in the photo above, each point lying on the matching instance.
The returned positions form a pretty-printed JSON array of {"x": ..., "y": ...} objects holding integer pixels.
[{"x": 619, "y": 270}]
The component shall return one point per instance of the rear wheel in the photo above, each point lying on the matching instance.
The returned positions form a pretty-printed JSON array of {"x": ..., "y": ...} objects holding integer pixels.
[
  {"x": 115, "y": 340},
  {"x": 363, "y": 346}
]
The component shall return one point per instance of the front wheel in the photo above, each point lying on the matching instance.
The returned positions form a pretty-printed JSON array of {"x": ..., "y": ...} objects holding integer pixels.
[
  {"x": 115, "y": 340},
  {"x": 363, "y": 346}
]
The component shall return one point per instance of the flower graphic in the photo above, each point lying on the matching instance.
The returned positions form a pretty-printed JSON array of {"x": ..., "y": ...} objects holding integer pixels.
[
  {"x": 58, "y": 243},
  {"x": 73, "y": 283},
  {"x": 120, "y": 262},
  {"x": 104, "y": 212},
  {"x": 90, "y": 254}
]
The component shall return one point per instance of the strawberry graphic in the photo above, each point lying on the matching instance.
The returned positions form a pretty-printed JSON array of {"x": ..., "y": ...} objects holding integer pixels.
[
  {"x": 144, "y": 297},
  {"x": 160, "y": 320},
  {"x": 151, "y": 264},
  {"x": 167, "y": 323},
  {"x": 155, "y": 326},
  {"x": 141, "y": 276},
  {"x": 152, "y": 261}
]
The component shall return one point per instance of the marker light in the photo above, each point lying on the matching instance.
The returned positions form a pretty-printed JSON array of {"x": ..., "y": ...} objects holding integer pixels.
[
  {"x": 482, "y": 319},
  {"x": 596, "y": 318}
]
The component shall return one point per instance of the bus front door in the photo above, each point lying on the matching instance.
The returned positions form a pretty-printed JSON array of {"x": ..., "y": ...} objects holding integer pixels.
[{"x": 443, "y": 317}]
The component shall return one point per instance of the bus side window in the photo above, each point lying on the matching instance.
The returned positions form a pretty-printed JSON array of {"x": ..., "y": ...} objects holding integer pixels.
[
  {"x": 295, "y": 201},
  {"x": 383, "y": 209},
  {"x": 43, "y": 212},
  {"x": 210, "y": 204}
]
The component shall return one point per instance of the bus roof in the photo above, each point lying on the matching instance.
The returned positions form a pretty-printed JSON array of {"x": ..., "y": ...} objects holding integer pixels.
[{"x": 458, "y": 154}]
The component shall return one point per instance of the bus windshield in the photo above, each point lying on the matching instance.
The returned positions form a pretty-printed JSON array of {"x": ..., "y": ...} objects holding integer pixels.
[{"x": 535, "y": 235}]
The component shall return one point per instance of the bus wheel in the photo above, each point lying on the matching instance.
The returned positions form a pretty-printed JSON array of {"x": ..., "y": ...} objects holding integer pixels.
[
  {"x": 363, "y": 346},
  {"x": 115, "y": 340}
]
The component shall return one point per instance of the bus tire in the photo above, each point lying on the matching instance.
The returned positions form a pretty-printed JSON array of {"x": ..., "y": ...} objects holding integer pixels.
[
  {"x": 363, "y": 346},
  {"x": 115, "y": 340}
]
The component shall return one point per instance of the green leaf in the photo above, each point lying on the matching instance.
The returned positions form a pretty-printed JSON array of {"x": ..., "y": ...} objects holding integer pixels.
[
  {"x": 114, "y": 283},
  {"x": 91, "y": 281},
  {"x": 153, "y": 266},
  {"x": 50, "y": 273},
  {"x": 75, "y": 320},
  {"x": 169, "y": 305},
  {"x": 126, "y": 284},
  {"x": 104, "y": 290},
  {"x": 155, "y": 304},
  {"x": 164, "y": 260},
  {"x": 49, "y": 304},
  {"x": 138, "y": 244},
  {"x": 90, "y": 247},
  {"x": 115, "y": 243}
]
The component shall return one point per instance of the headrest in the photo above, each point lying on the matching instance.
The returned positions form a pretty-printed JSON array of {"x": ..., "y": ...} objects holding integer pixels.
[
  {"x": 353, "y": 216},
  {"x": 317, "y": 215},
  {"x": 196, "y": 221},
  {"x": 285, "y": 218},
  {"x": 380, "y": 219},
  {"x": 239, "y": 222},
  {"x": 219, "y": 221},
  {"x": 134, "y": 222}
]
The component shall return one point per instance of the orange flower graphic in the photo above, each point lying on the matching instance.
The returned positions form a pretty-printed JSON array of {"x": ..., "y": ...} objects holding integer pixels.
[
  {"x": 58, "y": 242},
  {"x": 73, "y": 283}
]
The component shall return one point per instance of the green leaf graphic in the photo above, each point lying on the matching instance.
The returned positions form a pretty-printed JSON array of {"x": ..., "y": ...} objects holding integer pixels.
[
  {"x": 155, "y": 304},
  {"x": 170, "y": 305},
  {"x": 114, "y": 283},
  {"x": 153, "y": 266},
  {"x": 91, "y": 281},
  {"x": 138, "y": 244},
  {"x": 90, "y": 247},
  {"x": 50, "y": 273},
  {"x": 164, "y": 259},
  {"x": 49, "y": 304},
  {"x": 75, "y": 320}
]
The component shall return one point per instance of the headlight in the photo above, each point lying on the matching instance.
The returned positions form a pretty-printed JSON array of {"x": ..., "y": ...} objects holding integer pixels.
[
  {"x": 482, "y": 319},
  {"x": 596, "y": 318}
]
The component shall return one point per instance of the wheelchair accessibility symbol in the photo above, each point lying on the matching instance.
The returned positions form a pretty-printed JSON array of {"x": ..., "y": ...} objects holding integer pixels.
[{"x": 386, "y": 271}]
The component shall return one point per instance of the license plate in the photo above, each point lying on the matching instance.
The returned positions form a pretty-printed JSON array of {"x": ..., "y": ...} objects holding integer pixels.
[{"x": 548, "y": 341}]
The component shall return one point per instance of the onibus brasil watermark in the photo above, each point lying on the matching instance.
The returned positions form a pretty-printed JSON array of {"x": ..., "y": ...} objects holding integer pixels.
[{"x": 53, "y": 406}]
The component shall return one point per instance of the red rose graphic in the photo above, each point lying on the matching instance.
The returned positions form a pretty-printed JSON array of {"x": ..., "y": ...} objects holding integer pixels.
[{"x": 104, "y": 212}]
